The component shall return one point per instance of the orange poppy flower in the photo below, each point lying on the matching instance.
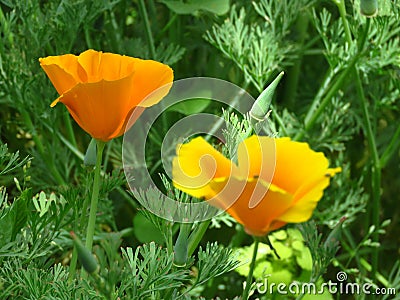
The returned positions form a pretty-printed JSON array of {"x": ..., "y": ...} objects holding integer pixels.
[
  {"x": 102, "y": 90},
  {"x": 276, "y": 180}
]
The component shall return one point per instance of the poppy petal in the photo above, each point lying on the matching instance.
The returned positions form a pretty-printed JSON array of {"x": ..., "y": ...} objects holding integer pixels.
[
  {"x": 105, "y": 66},
  {"x": 196, "y": 164},
  {"x": 152, "y": 81},
  {"x": 307, "y": 198},
  {"x": 235, "y": 195},
  {"x": 296, "y": 164},
  {"x": 63, "y": 71},
  {"x": 94, "y": 104},
  {"x": 256, "y": 157}
]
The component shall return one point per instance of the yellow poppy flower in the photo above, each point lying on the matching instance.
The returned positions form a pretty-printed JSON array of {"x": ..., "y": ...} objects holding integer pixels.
[
  {"x": 276, "y": 180},
  {"x": 102, "y": 90}
]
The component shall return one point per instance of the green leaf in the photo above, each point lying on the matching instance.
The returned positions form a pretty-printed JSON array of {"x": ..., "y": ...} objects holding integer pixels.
[
  {"x": 145, "y": 231},
  {"x": 219, "y": 7},
  {"x": 20, "y": 207},
  {"x": 283, "y": 251},
  {"x": 304, "y": 259},
  {"x": 191, "y": 106},
  {"x": 6, "y": 227}
]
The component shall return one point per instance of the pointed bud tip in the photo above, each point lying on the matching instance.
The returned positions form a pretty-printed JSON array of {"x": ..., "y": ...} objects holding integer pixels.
[{"x": 260, "y": 108}]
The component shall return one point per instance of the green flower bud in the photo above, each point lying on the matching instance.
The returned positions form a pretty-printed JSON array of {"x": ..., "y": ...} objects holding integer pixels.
[
  {"x": 260, "y": 107},
  {"x": 333, "y": 239},
  {"x": 86, "y": 258},
  {"x": 369, "y": 8}
]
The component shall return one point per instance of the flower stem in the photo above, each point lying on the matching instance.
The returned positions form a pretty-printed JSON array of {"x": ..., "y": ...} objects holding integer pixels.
[
  {"x": 196, "y": 236},
  {"x": 325, "y": 101},
  {"x": 95, "y": 196},
  {"x": 375, "y": 171},
  {"x": 249, "y": 279},
  {"x": 294, "y": 74},
  {"x": 342, "y": 11},
  {"x": 149, "y": 35},
  {"x": 391, "y": 148},
  {"x": 70, "y": 131},
  {"x": 74, "y": 258}
]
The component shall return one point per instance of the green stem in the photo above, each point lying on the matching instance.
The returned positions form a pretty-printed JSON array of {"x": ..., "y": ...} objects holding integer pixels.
[
  {"x": 249, "y": 279},
  {"x": 72, "y": 265},
  {"x": 294, "y": 75},
  {"x": 70, "y": 131},
  {"x": 325, "y": 101},
  {"x": 324, "y": 87},
  {"x": 181, "y": 245},
  {"x": 376, "y": 163},
  {"x": 342, "y": 11},
  {"x": 168, "y": 239},
  {"x": 95, "y": 196},
  {"x": 196, "y": 236},
  {"x": 149, "y": 35},
  {"x": 391, "y": 148},
  {"x": 74, "y": 258},
  {"x": 88, "y": 39},
  {"x": 375, "y": 172},
  {"x": 352, "y": 249}
]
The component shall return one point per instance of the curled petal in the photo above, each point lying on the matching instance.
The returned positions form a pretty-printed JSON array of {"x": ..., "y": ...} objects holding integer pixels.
[
  {"x": 63, "y": 71},
  {"x": 105, "y": 66}
]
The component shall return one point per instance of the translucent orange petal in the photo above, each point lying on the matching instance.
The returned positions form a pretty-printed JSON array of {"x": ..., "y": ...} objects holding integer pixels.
[
  {"x": 196, "y": 164},
  {"x": 100, "y": 108},
  {"x": 307, "y": 198},
  {"x": 149, "y": 76},
  {"x": 235, "y": 196},
  {"x": 105, "y": 66},
  {"x": 63, "y": 71},
  {"x": 132, "y": 117},
  {"x": 256, "y": 157},
  {"x": 297, "y": 164}
]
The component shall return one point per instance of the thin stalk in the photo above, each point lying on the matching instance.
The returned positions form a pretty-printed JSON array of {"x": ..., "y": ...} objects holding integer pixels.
[
  {"x": 329, "y": 76},
  {"x": 391, "y": 148},
  {"x": 325, "y": 101},
  {"x": 95, "y": 196},
  {"x": 342, "y": 11},
  {"x": 249, "y": 279},
  {"x": 196, "y": 236},
  {"x": 375, "y": 170},
  {"x": 70, "y": 131},
  {"x": 294, "y": 75},
  {"x": 74, "y": 258},
  {"x": 94, "y": 201},
  {"x": 88, "y": 39},
  {"x": 168, "y": 239},
  {"x": 149, "y": 35},
  {"x": 352, "y": 249}
]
